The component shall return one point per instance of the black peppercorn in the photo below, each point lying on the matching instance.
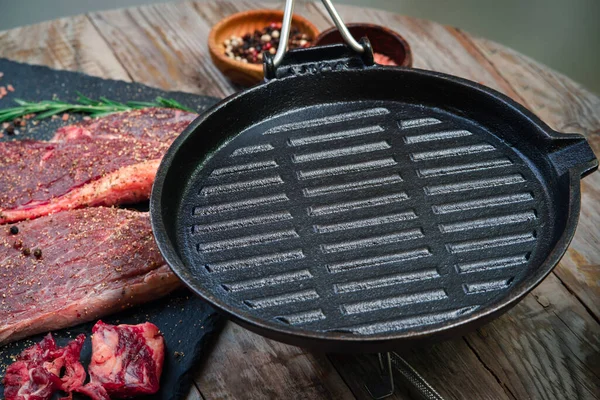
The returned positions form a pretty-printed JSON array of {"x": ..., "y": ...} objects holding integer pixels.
[
  {"x": 37, "y": 253},
  {"x": 26, "y": 251},
  {"x": 10, "y": 129},
  {"x": 248, "y": 48},
  {"x": 14, "y": 230}
]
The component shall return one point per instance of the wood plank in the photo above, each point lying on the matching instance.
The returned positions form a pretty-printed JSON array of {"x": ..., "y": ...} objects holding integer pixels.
[
  {"x": 450, "y": 367},
  {"x": 213, "y": 12},
  {"x": 164, "y": 45},
  {"x": 194, "y": 393},
  {"x": 548, "y": 347},
  {"x": 244, "y": 365},
  {"x": 68, "y": 43},
  {"x": 359, "y": 370},
  {"x": 580, "y": 267}
]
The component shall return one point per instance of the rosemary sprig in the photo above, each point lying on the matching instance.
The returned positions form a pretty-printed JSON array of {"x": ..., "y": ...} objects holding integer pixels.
[{"x": 84, "y": 105}]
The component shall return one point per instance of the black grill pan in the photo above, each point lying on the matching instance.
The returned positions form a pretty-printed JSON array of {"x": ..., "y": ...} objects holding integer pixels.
[{"x": 354, "y": 207}]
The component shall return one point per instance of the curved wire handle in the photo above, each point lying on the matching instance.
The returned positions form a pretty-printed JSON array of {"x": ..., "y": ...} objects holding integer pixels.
[{"x": 287, "y": 24}]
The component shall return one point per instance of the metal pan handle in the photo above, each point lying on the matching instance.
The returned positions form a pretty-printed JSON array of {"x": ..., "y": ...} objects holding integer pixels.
[{"x": 287, "y": 24}]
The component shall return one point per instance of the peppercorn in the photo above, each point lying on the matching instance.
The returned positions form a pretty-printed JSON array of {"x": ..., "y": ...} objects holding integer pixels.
[
  {"x": 14, "y": 230},
  {"x": 10, "y": 129},
  {"x": 249, "y": 47},
  {"x": 37, "y": 253},
  {"x": 26, "y": 252}
]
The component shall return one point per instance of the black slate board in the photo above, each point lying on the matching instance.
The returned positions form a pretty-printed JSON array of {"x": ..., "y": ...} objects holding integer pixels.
[{"x": 186, "y": 321}]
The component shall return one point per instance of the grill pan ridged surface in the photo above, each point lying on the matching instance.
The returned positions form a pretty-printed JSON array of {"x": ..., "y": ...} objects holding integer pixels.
[{"x": 366, "y": 218}]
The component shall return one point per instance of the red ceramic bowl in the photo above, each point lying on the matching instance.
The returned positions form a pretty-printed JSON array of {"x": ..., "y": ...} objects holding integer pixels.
[{"x": 384, "y": 41}]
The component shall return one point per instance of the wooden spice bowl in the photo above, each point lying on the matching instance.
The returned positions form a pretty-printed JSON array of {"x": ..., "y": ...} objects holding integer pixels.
[
  {"x": 239, "y": 24},
  {"x": 384, "y": 41}
]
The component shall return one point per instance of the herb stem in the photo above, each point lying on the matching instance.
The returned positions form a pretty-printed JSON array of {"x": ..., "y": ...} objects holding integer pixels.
[{"x": 84, "y": 105}]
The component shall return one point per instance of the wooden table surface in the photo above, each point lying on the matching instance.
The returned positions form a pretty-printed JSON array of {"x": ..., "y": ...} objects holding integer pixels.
[{"x": 547, "y": 347}]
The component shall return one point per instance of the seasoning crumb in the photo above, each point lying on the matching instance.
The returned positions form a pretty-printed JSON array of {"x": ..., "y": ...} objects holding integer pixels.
[
  {"x": 37, "y": 253},
  {"x": 14, "y": 230},
  {"x": 65, "y": 117},
  {"x": 178, "y": 354},
  {"x": 10, "y": 88}
]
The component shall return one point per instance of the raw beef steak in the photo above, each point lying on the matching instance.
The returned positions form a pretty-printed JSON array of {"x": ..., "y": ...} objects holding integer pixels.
[
  {"x": 102, "y": 164},
  {"x": 127, "y": 360},
  {"x": 74, "y": 266},
  {"x": 148, "y": 123}
]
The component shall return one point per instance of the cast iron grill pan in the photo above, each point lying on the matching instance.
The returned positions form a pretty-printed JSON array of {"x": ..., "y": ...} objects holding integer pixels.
[{"x": 358, "y": 207}]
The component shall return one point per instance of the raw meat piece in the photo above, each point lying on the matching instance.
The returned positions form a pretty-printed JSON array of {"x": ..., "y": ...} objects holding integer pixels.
[
  {"x": 94, "y": 391},
  {"x": 39, "y": 178},
  {"x": 83, "y": 263},
  {"x": 108, "y": 161},
  {"x": 148, "y": 123},
  {"x": 127, "y": 360},
  {"x": 44, "y": 368}
]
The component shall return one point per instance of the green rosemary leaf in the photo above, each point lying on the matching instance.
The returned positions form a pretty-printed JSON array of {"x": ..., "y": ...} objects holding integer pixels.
[
  {"x": 140, "y": 104},
  {"x": 50, "y": 113},
  {"x": 170, "y": 103},
  {"x": 83, "y": 104},
  {"x": 86, "y": 100}
]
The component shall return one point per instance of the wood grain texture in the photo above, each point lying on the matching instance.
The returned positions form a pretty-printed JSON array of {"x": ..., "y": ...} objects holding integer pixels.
[
  {"x": 69, "y": 43},
  {"x": 450, "y": 367},
  {"x": 547, "y": 347},
  {"x": 360, "y": 370},
  {"x": 164, "y": 45},
  {"x": 194, "y": 394},
  {"x": 244, "y": 365}
]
